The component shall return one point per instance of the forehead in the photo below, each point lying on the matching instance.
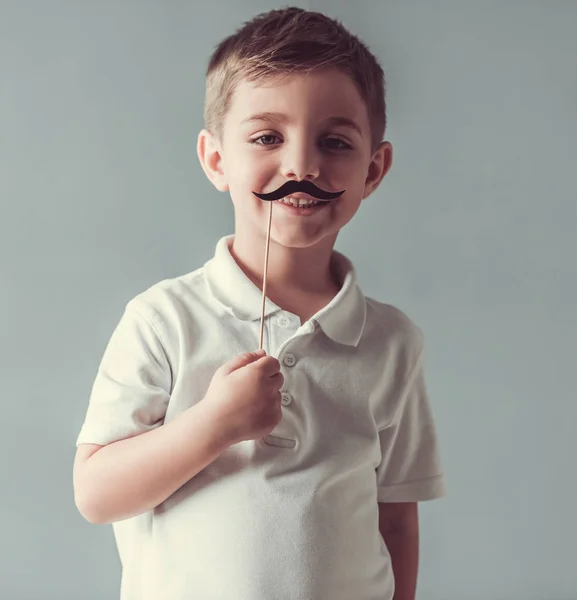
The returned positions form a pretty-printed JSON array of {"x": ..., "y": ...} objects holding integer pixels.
[{"x": 300, "y": 97}]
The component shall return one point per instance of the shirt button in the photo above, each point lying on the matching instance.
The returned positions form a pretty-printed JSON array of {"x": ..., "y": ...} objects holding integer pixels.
[
  {"x": 286, "y": 398},
  {"x": 283, "y": 322},
  {"x": 289, "y": 360}
]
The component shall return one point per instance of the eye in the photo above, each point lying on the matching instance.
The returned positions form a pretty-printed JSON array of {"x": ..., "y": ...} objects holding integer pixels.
[
  {"x": 264, "y": 137},
  {"x": 337, "y": 144},
  {"x": 331, "y": 143}
]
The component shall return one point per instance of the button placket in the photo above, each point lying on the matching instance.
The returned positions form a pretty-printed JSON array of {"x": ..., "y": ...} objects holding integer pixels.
[
  {"x": 289, "y": 360},
  {"x": 283, "y": 322}
]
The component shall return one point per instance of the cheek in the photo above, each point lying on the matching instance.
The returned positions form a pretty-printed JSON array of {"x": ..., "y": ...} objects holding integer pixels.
[
  {"x": 355, "y": 180},
  {"x": 348, "y": 170},
  {"x": 255, "y": 173},
  {"x": 261, "y": 182},
  {"x": 247, "y": 180}
]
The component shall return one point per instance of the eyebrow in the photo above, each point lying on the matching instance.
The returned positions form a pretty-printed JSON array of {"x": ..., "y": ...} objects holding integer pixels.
[{"x": 276, "y": 117}]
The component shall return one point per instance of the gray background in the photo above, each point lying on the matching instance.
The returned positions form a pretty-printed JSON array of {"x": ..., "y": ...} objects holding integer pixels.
[{"x": 472, "y": 233}]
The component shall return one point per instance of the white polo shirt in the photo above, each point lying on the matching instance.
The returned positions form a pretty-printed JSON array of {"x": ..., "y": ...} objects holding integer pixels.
[{"x": 293, "y": 516}]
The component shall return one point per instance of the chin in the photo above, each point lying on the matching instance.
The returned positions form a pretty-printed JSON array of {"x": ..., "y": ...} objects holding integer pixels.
[{"x": 300, "y": 239}]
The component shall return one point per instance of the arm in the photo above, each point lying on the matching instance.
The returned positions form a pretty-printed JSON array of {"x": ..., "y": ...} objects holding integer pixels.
[
  {"x": 133, "y": 475},
  {"x": 399, "y": 526}
]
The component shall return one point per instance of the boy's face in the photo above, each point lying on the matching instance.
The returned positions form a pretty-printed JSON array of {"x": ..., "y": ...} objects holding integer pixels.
[{"x": 259, "y": 152}]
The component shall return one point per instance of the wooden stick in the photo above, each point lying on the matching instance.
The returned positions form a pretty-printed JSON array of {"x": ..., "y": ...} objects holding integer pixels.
[{"x": 265, "y": 272}]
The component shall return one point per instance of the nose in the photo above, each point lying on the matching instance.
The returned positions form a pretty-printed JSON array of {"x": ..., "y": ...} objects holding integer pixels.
[{"x": 300, "y": 160}]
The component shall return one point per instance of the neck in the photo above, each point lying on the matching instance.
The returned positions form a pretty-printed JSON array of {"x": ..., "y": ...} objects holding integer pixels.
[{"x": 305, "y": 271}]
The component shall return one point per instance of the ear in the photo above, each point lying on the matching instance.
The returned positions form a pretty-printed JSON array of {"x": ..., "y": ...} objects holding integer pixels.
[
  {"x": 209, "y": 153},
  {"x": 380, "y": 164}
]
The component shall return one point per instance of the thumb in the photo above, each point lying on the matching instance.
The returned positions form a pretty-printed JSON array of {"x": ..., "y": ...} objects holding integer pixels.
[{"x": 241, "y": 361}]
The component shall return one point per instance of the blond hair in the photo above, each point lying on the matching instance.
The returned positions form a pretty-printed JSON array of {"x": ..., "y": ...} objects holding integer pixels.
[{"x": 281, "y": 42}]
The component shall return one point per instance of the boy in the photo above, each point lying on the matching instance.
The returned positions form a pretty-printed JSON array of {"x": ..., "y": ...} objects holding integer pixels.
[{"x": 292, "y": 473}]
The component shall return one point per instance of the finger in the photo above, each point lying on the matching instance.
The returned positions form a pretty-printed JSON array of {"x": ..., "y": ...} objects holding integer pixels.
[{"x": 242, "y": 360}]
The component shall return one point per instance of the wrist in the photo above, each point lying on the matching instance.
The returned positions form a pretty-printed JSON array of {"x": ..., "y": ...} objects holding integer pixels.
[{"x": 218, "y": 431}]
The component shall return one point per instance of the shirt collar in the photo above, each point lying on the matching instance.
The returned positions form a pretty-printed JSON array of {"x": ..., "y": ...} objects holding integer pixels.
[{"x": 342, "y": 320}]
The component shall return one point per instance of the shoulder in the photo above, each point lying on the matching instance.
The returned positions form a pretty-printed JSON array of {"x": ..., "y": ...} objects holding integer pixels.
[
  {"x": 170, "y": 302},
  {"x": 388, "y": 326},
  {"x": 395, "y": 353}
]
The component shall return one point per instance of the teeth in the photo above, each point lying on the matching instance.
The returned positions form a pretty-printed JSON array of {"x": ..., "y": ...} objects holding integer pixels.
[{"x": 300, "y": 202}]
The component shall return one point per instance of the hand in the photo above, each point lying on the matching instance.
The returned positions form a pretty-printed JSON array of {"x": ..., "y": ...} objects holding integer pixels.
[{"x": 244, "y": 394}]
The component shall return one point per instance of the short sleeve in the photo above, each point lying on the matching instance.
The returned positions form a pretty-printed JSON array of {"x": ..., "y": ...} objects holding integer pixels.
[
  {"x": 132, "y": 387},
  {"x": 410, "y": 469}
]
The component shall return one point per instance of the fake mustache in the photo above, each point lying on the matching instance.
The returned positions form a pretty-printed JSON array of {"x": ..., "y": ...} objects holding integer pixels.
[{"x": 306, "y": 187}]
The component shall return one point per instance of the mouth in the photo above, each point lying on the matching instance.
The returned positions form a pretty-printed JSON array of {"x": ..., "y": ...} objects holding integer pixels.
[
  {"x": 302, "y": 201},
  {"x": 297, "y": 189},
  {"x": 302, "y": 207}
]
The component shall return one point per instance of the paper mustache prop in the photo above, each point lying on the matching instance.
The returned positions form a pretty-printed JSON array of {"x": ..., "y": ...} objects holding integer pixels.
[{"x": 286, "y": 189}]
